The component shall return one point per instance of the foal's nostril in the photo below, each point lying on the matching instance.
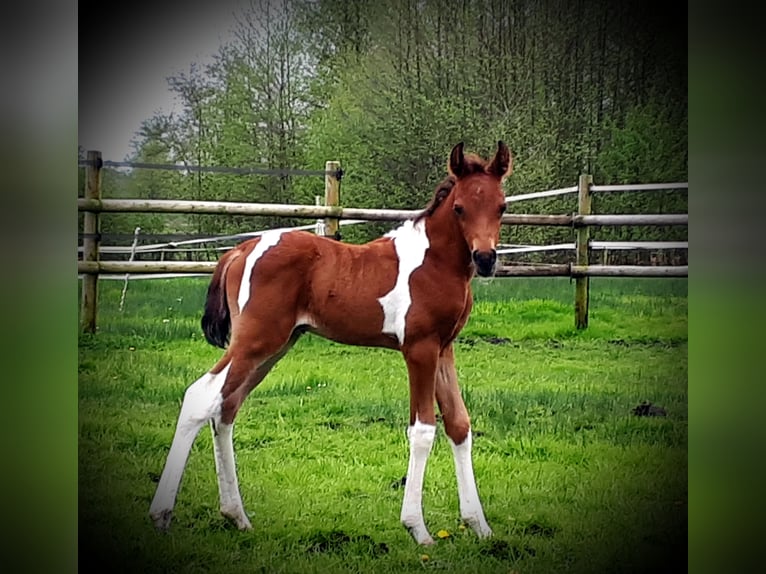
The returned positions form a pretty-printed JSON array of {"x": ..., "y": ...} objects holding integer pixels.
[
  {"x": 484, "y": 257},
  {"x": 485, "y": 261}
]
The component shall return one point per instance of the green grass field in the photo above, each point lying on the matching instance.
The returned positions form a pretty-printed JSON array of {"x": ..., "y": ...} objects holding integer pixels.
[{"x": 570, "y": 479}]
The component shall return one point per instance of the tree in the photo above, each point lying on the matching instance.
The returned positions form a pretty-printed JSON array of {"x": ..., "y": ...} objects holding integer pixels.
[{"x": 388, "y": 88}]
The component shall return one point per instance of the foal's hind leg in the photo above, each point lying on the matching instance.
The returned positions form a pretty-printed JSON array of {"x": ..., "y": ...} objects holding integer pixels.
[
  {"x": 202, "y": 401},
  {"x": 457, "y": 426},
  {"x": 225, "y": 466},
  {"x": 217, "y": 397},
  {"x": 226, "y": 471}
]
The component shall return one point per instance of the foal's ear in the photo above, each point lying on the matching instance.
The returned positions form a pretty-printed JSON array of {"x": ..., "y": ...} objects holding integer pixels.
[
  {"x": 456, "y": 165},
  {"x": 502, "y": 164}
]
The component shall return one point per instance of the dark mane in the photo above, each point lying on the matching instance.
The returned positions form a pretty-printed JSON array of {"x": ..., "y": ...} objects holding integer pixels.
[
  {"x": 472, "y": 163},
  {"x": 440, "y": 194}
]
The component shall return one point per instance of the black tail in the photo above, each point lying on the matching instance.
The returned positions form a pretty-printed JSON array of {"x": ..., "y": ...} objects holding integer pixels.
[{"x": 216, "y": 320}]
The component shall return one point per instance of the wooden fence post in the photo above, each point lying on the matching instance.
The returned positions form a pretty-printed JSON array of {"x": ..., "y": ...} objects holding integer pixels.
[
  {"x": 582, "y": 284},
  {"x": 90, "y": 243},
  {"x": 332, "y": 197}
]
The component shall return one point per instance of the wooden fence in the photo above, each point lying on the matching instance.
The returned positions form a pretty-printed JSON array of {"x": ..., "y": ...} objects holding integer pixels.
[{"x": 92, "y": 205}]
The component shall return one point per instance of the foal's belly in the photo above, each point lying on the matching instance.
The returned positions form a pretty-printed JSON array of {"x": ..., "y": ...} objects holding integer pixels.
[
  {"x": 358, "y": 322},
  {"x": 365, "y": 339}
]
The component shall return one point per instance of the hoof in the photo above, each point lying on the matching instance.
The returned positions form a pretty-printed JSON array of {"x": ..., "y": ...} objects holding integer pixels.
[
  {"x": 162, "y": 519},
  {"x": 479, "y": 526},
  {"x": 484, "y": 533},
  {"x": 420, "y": 535},
  {"x": 239, "y": 520}
]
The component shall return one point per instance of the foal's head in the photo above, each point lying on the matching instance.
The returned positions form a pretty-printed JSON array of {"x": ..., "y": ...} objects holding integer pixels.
[{"x": 479, "y": 202}]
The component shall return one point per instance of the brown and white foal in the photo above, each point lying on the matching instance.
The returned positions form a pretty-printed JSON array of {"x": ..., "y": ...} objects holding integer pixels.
[{"x": 409, "y": 290}]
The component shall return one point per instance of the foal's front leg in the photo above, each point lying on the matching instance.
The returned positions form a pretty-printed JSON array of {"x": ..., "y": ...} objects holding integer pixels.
[
  {"x": 421, "y": 367},
  {"x": 457, "y": 426}
]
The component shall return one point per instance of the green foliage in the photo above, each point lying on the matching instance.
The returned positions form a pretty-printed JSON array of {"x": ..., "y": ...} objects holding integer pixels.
[
  {"x": 649, "y": 145},
  {"x": 387, "y": 88}
]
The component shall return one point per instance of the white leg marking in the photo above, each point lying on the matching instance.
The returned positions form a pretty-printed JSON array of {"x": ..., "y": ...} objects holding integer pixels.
[
  {"x": 268, "y": 240},
  {"x": 470, "y": 506},
  {"x": 226, "y": 470},
  {"x": 421, "y": 437},
  {"x": 202, "y": 402},
  {"x": 411, "y": 243}
]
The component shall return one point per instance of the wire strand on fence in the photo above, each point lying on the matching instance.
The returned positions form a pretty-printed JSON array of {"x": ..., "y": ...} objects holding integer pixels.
[
  {"x": 503, "y": 250},
  {"x": 114, "y": 277},
  {"x": 641, "y": 187},
  {"x": 215, "y": 169},
  {"x": 594, "y": 188},
  {"x": 639, "y": 245},
  {"x": 215, "y": 239},
  {"x": 127, "y": 275},
  {"x": 538, "y": 194},
  {"x": 651, "y": 245}
]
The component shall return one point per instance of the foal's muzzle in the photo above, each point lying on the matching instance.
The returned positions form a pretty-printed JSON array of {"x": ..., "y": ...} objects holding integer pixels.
[{"x": 485, "y": 262}]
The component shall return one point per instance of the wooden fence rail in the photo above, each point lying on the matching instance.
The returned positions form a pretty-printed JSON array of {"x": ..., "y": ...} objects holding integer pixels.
[
  {"x": 535, "y": 270},
  {"x": 92, "y": 205},
  {"x": 321, "y": 211}
]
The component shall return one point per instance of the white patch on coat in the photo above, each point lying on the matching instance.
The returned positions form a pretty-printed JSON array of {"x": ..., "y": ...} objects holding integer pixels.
[
  {"x": 410, "y": 242},
  {"x": 268, "y": 240}
]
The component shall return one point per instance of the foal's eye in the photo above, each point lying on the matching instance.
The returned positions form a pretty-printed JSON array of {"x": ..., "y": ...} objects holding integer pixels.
[
  {"x": 501, "y": 209},
  {"x": 458, "y": 209}
]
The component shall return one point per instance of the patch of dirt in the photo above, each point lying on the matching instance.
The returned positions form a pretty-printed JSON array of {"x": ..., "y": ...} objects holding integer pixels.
[
  {"x": 649, "y": 342},
  {"x": 332, "y": 425},
  {"x": 492, "y": 340},
  {"x": 647, "y": 409},
  {"x": 397, "y": 484},
  {"x": 373, "y": 420},
  {"x": 503, "y": 550},
  {"x": 535, "y": 529},
  {"x": 338, "y": 541}
]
